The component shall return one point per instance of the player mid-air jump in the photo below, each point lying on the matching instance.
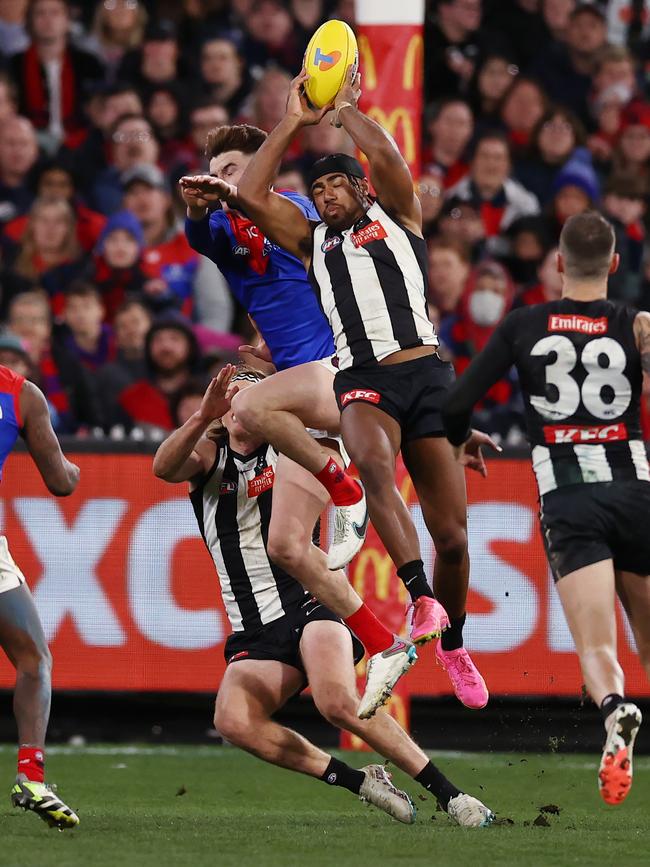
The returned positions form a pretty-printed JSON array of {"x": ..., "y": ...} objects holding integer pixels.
[
  {"x": 283, "y": 638},
  {"x": 367, "y": 264},
  {"x": 23, "y": 410},
  {"x": 580, "y": 362}
]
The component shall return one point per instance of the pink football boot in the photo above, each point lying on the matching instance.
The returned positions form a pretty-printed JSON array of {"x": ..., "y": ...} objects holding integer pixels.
[
  {"x": 465, "y": 677},
  {"x": 429, "y": 620}
]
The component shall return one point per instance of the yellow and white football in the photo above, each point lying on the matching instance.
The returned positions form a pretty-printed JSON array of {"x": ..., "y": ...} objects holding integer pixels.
[{"x": 331, "y": 50}]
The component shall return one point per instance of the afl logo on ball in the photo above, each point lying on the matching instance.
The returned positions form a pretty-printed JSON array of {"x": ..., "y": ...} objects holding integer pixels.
[{"x": 329, "y": 243}]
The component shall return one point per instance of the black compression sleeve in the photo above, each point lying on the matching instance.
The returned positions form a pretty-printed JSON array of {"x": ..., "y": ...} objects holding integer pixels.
[{"x": 486, "y": 368}]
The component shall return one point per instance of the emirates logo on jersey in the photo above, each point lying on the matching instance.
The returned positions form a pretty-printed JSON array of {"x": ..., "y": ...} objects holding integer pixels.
[
  {"x": 580, "y": 324},
  {"x": 556, "y": 434},
  {"x": 261, "y": 483},
  {"x": 372, "y": 232}
]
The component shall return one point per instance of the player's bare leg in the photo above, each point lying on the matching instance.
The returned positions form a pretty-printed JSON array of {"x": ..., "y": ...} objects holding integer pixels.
[
  {"x": 22, "y": 639},
  {"x": 373, "y": 440},
  {"x": 588, "y": 598},
  {"x": 326, "y": 650},
  {"x": 250, "y": 693},
  {"x": 298, "y": 501},
  {"x": 634, "y": 592},
  {"x": 439, "y": 483},
  {"x": 279, "y": 409}
]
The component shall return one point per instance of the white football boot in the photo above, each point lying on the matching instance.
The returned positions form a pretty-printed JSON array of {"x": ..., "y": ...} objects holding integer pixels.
[
  {"x": 615, "y": 772},
  {"x": 379, "y": 790},
  {"x": 350, "y": 528},
  {"x": 383, "y": 672},
  {"x": 469, "y": 812}
]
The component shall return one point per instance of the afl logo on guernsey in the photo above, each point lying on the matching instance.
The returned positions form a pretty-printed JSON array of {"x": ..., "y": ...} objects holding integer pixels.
[{"x": 330, "y": 243}]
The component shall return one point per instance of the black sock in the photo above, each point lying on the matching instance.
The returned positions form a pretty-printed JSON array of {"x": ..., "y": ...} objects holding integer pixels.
[
  {"x": 452, "y": 638},
  {"x": 414, "y": 579},
  {"x": 339, "y": 774},
  {"x": 610, "y": 703},
  {"x": 434, "y": 781}
]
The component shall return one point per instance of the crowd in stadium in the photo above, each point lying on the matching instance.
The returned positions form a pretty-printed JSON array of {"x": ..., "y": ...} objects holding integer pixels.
[{"x": 535, "y": 110}]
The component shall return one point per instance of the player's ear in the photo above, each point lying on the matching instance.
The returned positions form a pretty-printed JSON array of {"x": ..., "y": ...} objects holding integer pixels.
[
  {"x": 559, "y": 262},
  {"x": 616, "y": 261}
]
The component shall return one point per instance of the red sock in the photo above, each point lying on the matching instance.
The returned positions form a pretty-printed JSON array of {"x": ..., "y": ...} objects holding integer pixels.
[
  {"x": 31, "y": 763},
  {"x": 370, "y": 631},
  {"x": 342, "y": 488}
]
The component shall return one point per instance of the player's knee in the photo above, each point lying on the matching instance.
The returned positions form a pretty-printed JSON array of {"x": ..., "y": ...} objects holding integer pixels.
[
  {"x": 232, "y": 727},
  {"x": 376, "y": 470},
  {"x": 287, "y": 550},
  {"x": 451, "y": 545},
  {"x": 34, "y": 660},
  {"x": 340, "y": 710},
  {"x": 248, "y": 411}
]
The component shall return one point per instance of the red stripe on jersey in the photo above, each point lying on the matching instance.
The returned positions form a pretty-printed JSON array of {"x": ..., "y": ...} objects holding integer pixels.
[{"x": 606, "y": 433}]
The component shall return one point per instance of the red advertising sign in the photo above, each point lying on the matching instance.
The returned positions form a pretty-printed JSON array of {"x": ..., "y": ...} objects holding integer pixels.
[{"x": 129, "y": 598}]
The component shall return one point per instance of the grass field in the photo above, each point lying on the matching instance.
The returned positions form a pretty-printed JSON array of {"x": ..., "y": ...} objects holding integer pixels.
[{"x": 160, "y": 806}]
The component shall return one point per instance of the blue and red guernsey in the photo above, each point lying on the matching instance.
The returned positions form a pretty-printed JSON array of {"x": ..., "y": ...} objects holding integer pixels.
[
  {"x": 10, "y": 418},
  {"x": 270, "y": 283}
]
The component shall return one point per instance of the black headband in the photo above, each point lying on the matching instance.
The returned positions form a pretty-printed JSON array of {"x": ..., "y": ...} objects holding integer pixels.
[{"x": 334, "y": 164}]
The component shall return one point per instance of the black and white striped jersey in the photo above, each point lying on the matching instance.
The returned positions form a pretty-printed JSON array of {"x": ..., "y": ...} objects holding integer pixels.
[
  {"x": 371, "y": 280},
  {"x": 580, "y": 374},
  {"x": 232, "y": 505}
]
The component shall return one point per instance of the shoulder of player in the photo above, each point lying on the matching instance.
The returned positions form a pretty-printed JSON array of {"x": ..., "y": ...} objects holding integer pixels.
[{"x": 642, "y": 330}]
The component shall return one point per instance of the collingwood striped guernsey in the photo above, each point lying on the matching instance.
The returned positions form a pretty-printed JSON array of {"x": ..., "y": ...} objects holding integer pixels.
[
  {"x": 371, "y": 280},
  {"x": 580, "y": 374},
  {"x": 232, "y": 505}
]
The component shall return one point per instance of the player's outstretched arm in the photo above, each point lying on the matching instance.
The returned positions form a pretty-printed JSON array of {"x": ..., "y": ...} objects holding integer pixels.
[
  {"x": 389, "y": 173},
  {"x": 642, "y": 337},
  {"x": 186, "y": 453},
  {"x": 280, "y": 220},
  {"x": 59, "y": 474}
]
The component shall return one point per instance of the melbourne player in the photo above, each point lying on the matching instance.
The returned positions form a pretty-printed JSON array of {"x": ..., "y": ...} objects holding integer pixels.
[
  {"x": 367, "y": 263},
  {"x": 24, "y": 411},
  {"x": 580, "y": 362},
  {"x": 273, "y": 287},
  {"x": 283, "y": 638}
]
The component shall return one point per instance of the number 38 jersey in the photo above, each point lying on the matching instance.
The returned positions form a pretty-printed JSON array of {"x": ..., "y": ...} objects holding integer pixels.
[{"x": 580, "y": 373}]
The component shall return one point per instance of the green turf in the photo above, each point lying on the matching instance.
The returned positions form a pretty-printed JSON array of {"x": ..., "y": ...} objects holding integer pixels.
[{"x": 237, "y": 811}]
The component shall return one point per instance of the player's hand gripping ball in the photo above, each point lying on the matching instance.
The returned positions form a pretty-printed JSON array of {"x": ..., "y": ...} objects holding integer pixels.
[{"x": 331, "y": 51}]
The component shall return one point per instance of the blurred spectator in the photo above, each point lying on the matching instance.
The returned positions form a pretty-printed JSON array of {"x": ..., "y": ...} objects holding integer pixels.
[
  {"x": 118, "y": 27},
  {"x": 523, "y": 107},
  {"x": 18, "y": 155},
  {"x": 628, "y": 22},
  {"x": 290, "y": 177},
  {"x": 556, "y": 15},
  {"x": 320, "y": 140},
  {"x": 450, "y": 131},
  {"x": 624, "y": 205},
  {"x": 553, "y": 140},
  {"x": 430, "y": 194},
  {"x": 14, "y": 355},
  {"x": 529, "y": 242},
  {"x": 186, "y": 402},
  {"x": 272, "y": 36},
  {"x": 575, "y": 190},
  {"x": 519, "y": 22},
  {"x": 632, "y": 150},
  {"x": 547, "y": 286},
  {"x": 51, "y": 75},
  {"x": 166, "y": 114},
  {"x": 13, "y": 32},
  {"x": 133, "y": 144},
  {"x": 308, "y": 14},
  {"x": 117, "y": 265},
  {"x": 55, "y": 181},
  {"x": 449, "y": 267},
  {"x": 487, "y": 299},
  {"x": 224, "y": 75},
  {"x": 461, "y": 221},
  {"x": 172, "y": 357},
  {"x": 67, "y": 386},
  {"x": 269, "y": 99},
  {"x": 493, "y": 79},
  {"x": 8, "y": 100},
  {"x": 489, "y": 187},
  {"x": 88, "y": 338},
  {"x": 49, "y": 250},
  {"x": 131, "y": 323},
  {"x": 565, "y": 69},
  {"x": 453, "y": 46},
  {"x": 157, "y": 61}
]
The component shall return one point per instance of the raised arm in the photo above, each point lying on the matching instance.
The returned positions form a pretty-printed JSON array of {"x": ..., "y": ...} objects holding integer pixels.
[
  {"x": 642, "y": 337},
  {"x": 186, "y": 453},
  {"x": 59, "y": 474},
  {"x": 389, "y": 173},
  {"x": 280, "y": 220}
]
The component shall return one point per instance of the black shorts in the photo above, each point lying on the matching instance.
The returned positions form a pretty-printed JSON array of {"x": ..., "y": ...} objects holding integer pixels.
[
  {"x": 412, "y": 392},
  {"x": 280, "y": 639},
  {"x": 584, "y": 524}
]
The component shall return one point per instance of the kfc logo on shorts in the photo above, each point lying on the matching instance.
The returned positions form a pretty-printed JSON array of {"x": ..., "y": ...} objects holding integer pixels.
[
  {"x": 360, "y": 394},
  {"x": 330, "y": 243},
  {"x": 581, "y": 324},
  {"x": 261, "y": 483},
  {"x": 372, "y": 232},
  {"x": 556, "y": 434}
]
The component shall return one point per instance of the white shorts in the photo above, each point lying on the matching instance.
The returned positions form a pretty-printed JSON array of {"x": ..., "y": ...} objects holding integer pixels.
[
  {"x": 328, "y": 364},
  {"x": 10, "y": 575}
]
